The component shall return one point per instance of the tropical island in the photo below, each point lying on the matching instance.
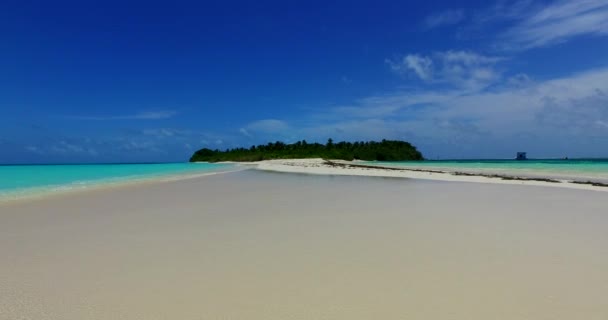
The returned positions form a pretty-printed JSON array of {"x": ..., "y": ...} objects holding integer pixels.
[{"x": 385, "y": 150}]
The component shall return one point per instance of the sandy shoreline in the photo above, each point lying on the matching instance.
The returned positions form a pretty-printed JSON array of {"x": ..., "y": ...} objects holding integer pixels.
[
  {"x": 337, "y": 167},
  {"x": 43, "y": 193},
  {"x": 264, "y": 245}
]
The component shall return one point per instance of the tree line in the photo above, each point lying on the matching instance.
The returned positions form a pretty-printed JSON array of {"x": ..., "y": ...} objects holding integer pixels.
[{"x": 386, "y": 150}]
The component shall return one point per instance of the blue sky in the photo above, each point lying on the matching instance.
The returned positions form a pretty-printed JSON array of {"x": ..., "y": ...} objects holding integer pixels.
[{"x": 124, "y": 81}]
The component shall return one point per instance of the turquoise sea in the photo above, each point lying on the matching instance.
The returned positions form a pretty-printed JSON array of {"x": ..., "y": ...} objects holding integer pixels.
[
  {"x": 18, "y": 181},
  {"x": 593, "y": 169}
]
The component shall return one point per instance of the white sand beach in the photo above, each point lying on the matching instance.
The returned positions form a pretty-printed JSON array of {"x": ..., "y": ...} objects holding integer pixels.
[
  {"x": 354, "y": 168},
  {"x": 265, "y": 245},
  {"x": 304, "y": 160}
]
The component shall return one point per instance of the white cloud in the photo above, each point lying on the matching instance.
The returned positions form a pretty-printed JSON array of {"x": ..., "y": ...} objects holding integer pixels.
[
  {"x": 578, "y": 113},
  {"x": 165, "y": 132},
  {"x": 467, "y": 58},
  {"x": 244, "y": 132},
  {"x": 464, "y": 69},
  {"x": 153, "y": 115},
  {"x": 448, "y": 17},
  {"x": 265, "y": 126},
  {"x": 420, "y": 65},
  {"x": 555, "y": 117},
  {"x": 64, "y": 148},
  {"x": 567, "y": 115},
  {"x": 390, "y": 104},
  {"x": 175, "y": 143},
  {"x": 145, "y": 115},
  {"x": 519, "y": 80},
  {"x": 504, "y": 10},
  {"x": 557, "y": 22}
]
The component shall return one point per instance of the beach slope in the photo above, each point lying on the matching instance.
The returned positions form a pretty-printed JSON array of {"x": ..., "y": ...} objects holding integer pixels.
[{"x": 264, "y": 245}]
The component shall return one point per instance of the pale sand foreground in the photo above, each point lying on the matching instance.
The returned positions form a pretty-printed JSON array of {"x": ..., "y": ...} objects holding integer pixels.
[{"x": 261, "y": 245}]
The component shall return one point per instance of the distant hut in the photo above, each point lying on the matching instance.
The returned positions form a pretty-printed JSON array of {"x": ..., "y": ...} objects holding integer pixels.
[{"x": 521, "y": 156}]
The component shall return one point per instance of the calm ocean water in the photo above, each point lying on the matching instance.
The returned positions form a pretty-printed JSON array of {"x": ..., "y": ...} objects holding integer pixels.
[
  {"x": 17, "y": 181},
  {"x": 574, "y": 168}
]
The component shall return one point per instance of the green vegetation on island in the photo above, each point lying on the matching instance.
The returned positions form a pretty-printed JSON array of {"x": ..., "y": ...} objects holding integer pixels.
[{"x": 386, "y": 150}]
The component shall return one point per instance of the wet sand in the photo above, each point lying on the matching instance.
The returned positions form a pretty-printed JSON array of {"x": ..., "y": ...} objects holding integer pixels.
[{"x": 263, "y": 245}]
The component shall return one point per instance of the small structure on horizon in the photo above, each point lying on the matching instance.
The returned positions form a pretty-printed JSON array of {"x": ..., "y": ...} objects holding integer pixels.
[{"x": 521, "y": 156}]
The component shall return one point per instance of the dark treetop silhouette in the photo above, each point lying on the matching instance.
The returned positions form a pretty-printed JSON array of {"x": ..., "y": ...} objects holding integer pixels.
[{"x": 386, "y": 150}]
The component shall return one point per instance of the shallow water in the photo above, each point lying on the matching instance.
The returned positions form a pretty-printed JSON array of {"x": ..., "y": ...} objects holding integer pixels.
[{"x": 18, "y": 181}]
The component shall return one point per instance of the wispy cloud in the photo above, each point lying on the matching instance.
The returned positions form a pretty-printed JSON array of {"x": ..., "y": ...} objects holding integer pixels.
[
  {"x": 346, "y": 80},
  {"x": 422, "y": 66},
  {"x": 464, "y": 69},
  {"x": 533, "y": 24},
  {"x": 559, "y": 22},
  {"x": 444, "y": 18},
  {"x": 565, "y": 115},
  {"x": 151, "y": 144},
  {"x": 63, "y": 147},
  {"x": 266, "y": 126},
  {"x": 145, "y": 115},
  {"x": 504, "y": 10}
]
